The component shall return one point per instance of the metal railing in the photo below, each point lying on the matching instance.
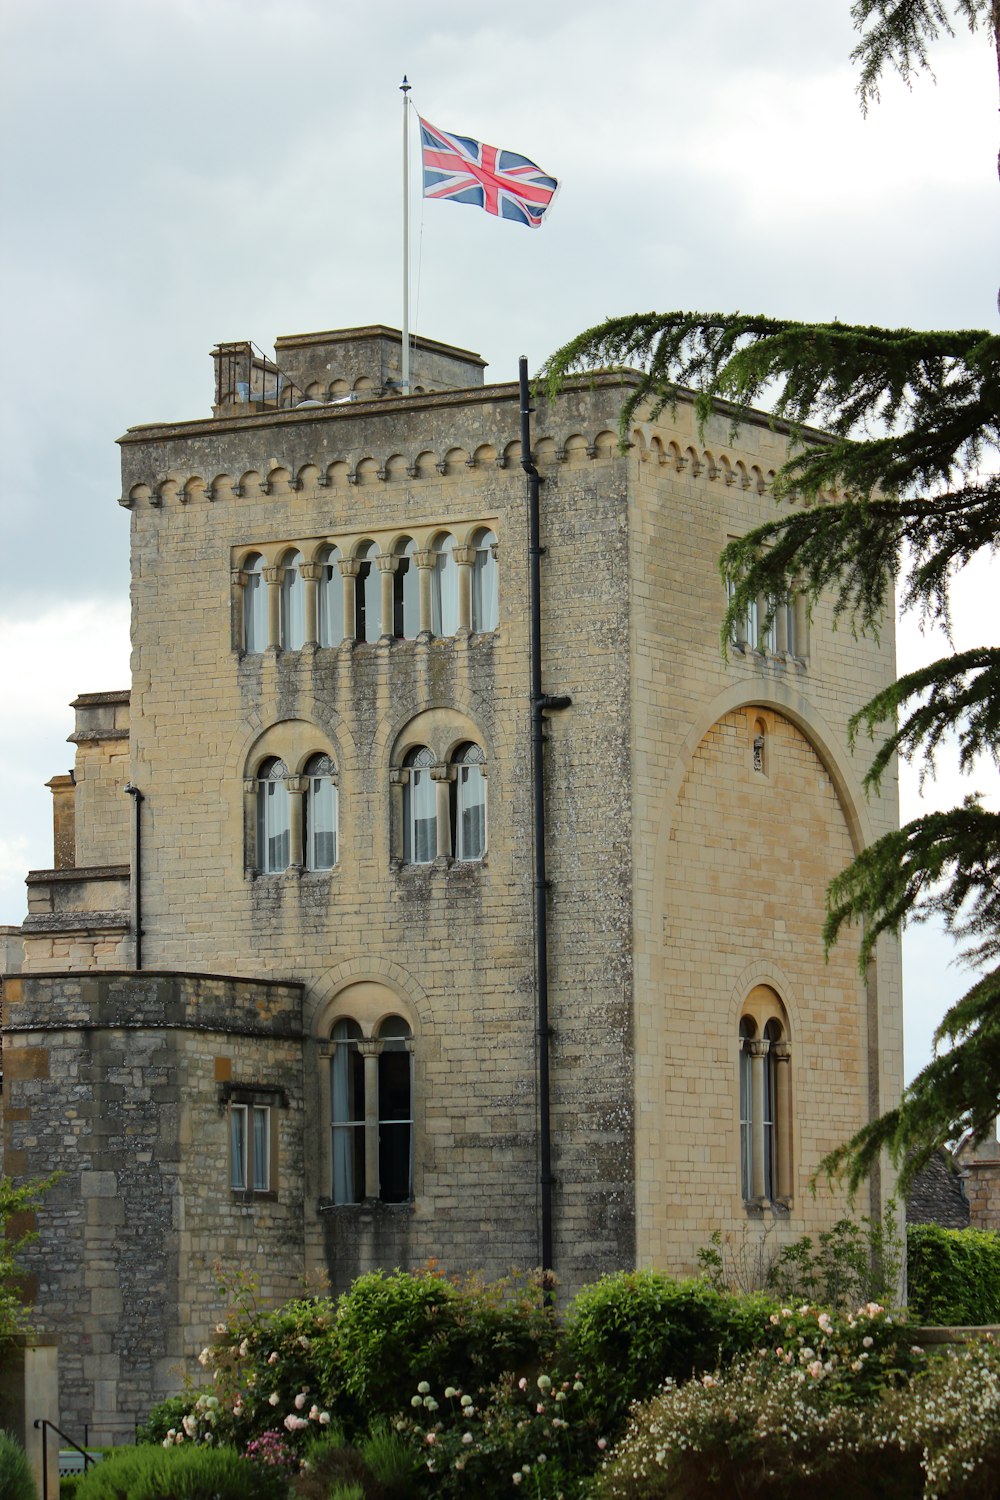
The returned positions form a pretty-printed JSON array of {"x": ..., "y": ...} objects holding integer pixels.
[{"x": 42, "y": 1424}]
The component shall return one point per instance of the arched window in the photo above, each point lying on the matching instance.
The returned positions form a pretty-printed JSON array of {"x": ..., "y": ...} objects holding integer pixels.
[
  {"x": 330, "y": 613},
  {"x": 254, "y": 605},
  {"x": 347, "y": 1113},
  {"x": 444, "y": 594},
  {"x": 367, "y": 595},
  {"x": 320, "y": 813},
  {"x": 765, "y": 1101},
  {"x": 469, "y": 803},
  {"x": 273, "y": 819},
  {"x": 485, "y": 602},
  {"x": 293, "y": 603},
  {"x": 419, "y": 809},
  {"x": 405, "y": 592},
  {"x": 395, "y": 1112}
]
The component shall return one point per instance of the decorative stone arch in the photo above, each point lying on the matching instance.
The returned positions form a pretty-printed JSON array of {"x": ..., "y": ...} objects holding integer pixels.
[
  {"x": 194, "y": 489},
  {"x": 167, "y": 490},
  {"x": 544, "y": 451},
  {"x": 251, "y": 743},
  {"x": 763, "y": 973},
  {"x": 395, "y": 467},
  {"x": 455, "y": 461},
  {"x": 605, "y": 444},
  {"x": 337, "y": 472},
  {"x": 380, "y": 989},
  {"x": 389, "y": 740},
  {"x": 510, "y": 456},
  {"x": 424, "y": 465},
  {"x": 485, "y": 454},
  {"x": 366, "y": 472},
  {"x": 441, "y": 729},
  {"x": 792, "y": 706}
]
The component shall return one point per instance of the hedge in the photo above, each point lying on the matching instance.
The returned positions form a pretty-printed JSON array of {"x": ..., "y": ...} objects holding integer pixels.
[{"x": 953, "y": 1275}]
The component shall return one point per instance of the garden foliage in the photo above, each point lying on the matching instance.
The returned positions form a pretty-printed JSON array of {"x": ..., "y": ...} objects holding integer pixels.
[
  {"x": 953, "y": 1275},
  {"x": 192, "y": 1472},
  {"x": 16, "y": 1481}
]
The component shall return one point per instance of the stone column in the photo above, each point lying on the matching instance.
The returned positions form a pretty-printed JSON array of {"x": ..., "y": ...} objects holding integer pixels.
[
  {"x": 251, "y": 852},
  {"x": 758, "y": 1062},
  {"x": 425, "y": 572},
  {"x": 349, "y": 572},
  {"x": 296, "y": 851},
  {"x": 387, "y": 566},
  {"x": 63, "y": 789},
  {"x": 441, "y": 777},
  {"x": 371, "y": 1050},
  {"x": 273, "y": 577},
  {"x": 238, "y": 578},
  {"x": 464, "y": 558},
  {"x": 311, "y": 573},
  {"x": 782, "y": 1054}
]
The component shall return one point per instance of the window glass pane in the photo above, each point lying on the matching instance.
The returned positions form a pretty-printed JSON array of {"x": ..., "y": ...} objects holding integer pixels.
[
  {"x": 471, "y": 831},
  {"x": 330, "y": 623},
  {"x": 255, "y": 607},
  {"x": 395, "y": 1122},
  {"x": 238, "y": 1147},
  {"x": 484, "y": 584},
  {"x": 293, "y": 604},
  {"x": 347, "y": 1099},
  {"x": 261, "y": 1148},
  {"x": 406, "y": 594},
  {"x": 746, "y": 1123},
  {"x": 373, "y": 603},
  {"x": 419, "y": 810},
  {"x": 444, "y": 592},
  {"x": 321, "y": 814}
]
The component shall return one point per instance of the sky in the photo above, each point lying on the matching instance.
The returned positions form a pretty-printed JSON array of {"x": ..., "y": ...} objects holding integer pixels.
[{"x": 179, "y": 172}]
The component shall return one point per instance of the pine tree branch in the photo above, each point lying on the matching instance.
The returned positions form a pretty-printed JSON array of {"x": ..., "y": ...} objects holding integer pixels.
[
  {"x": 899, "y": 34},
  {"x": 944, "y": 863},
  {"x": 955, "y": 1093},
  {"x": 958, "y": 695}
]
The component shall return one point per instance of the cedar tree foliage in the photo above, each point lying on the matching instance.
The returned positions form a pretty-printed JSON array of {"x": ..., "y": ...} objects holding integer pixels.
[{"x": 898, "y": 489}]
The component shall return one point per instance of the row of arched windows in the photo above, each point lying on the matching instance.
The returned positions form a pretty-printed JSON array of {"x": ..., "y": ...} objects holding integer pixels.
[
  {"x": 443, "y": 810},
  {"x": 370, "y": 594}
]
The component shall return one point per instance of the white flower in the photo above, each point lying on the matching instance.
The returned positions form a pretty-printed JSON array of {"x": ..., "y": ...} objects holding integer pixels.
[
  {"x": 423, "y": 1388},
  {"x": 244, "y": 1348},
  {"x": 220, "y": 1327},
  {"x": 314, "y": 1413},
  {"x": 272, "y": 1358},
  {"x": 544, "y": 1382},
  {"x": 274, "y": 1398},
  {"x": 324, "y": 1419},
  {"x": 190, "y": 1424},
  {"x": 303, "y": 1341},
  {"x": 205, "y": 1357},
  {"x": 867, "y": 1341},
  {"x": 466, "y": 1437},
  {"x": 416, "y": 1401},
  {"x": 466, "y": 1401},
  {"x": 516, "y": 1478},
  {"x": 449, "y": 1392}
]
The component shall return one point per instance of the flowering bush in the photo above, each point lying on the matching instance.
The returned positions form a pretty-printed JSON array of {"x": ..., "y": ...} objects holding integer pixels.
[
  {"x": 850, "y": 1358},
  {"x": 790, "y": 1427},
  {"x": 535, "y": 1434}
]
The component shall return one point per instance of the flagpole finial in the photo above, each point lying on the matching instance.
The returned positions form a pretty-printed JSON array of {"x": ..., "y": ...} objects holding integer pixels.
[{"x": 404, "y": 87}]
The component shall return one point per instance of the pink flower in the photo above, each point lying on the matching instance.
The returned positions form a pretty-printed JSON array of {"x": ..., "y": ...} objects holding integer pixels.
[
  {"x": 300, "y": 1401},
  {"x": 431, "y": 1437},
  {"x": 522, "y": 1384},
  {"x": 272, "y": 1359},
  {"x": 602, "y": 1443},
  {"x": 294, "y": 1423},
  {"x": 816, "y": 1369}
]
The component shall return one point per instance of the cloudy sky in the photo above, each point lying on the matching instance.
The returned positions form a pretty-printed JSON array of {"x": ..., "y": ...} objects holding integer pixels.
[{"x": 175, "y": 172}]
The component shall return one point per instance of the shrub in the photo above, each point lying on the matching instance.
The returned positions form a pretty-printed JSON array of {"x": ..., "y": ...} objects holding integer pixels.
[
  {"x": 190, "y": 1472},
  {"x": 953, "y": 1275},
  {"x": 849, "y": 1265},
  {"x": 162, "y": 1417},
  {"x": 16, "y": 1480},
  {"x": 631, "y": 1331},
  {"x": 536, "y": 1432},
  {"x": 396, "y": 1329},
  {"x": 796, "y": 1431}
]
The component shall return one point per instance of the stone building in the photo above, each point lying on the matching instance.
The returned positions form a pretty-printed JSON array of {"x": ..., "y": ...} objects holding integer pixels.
[{"x": 275, "y": 1000}]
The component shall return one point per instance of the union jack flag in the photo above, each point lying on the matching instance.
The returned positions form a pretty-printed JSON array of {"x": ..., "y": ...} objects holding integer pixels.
[{"x": 502, "y": 182}]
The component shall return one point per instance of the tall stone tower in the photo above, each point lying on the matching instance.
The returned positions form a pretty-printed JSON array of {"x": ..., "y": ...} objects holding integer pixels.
[{"x": 276, "y": 1001}]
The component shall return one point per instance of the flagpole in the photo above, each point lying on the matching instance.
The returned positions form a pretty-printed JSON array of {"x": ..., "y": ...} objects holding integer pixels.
[{"x": 404, "y": 89}]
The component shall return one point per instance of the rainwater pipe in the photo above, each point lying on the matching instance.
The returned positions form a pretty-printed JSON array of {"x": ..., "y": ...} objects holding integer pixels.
[
  {"x": 541, "y": 703},
  {"x": 137, "y": 801}
]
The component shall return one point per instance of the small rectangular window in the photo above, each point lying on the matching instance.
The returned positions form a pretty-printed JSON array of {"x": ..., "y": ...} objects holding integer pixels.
[{"x": 250, "y": 1148}]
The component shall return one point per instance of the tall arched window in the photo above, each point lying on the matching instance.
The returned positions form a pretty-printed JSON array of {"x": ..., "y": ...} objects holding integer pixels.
[
  {"x": 419, "y": 809},
  {"x": 347, "y": 1113},
  {"x": 254, "y": 605},
  {"x": 330, "y": 601},
  {"x": 273, "y": 821},
  {"x": 765, "y": 1101},
  {"x": 444, "y": 594},
  {"x": 395, "y": 1112},
  {"x": 293, "y": 602},
  {"x": 405, "y": 592},
  {"x": 367, "y": 595},
  {"x": 485, "y": 601},
  {"x": 320, "y": 813},
  {"x": 469, "y": 803}
]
